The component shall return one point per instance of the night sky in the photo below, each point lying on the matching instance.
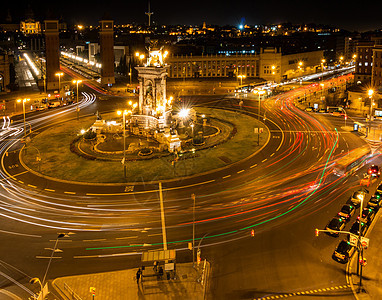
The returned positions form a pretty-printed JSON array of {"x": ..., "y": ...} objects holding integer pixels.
[{"x": 354, "y": 16}]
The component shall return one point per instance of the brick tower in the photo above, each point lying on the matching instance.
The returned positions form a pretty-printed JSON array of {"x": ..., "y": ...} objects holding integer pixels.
[
  {"x": 107, "y": 51},
  {"x": 52, "y": 54}
]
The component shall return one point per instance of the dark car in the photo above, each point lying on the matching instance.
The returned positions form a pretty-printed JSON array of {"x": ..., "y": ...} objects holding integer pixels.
[
  {"x": 368, "y": 215},
  {"x": 358, "y": 196},
  {"x": 375, "y": 202},
  {"x": 346, "y": 212},
  {"x": 355, "y": 227},
  {"x": 374, "y": 171},
  {"x": 335, "y": 225},
  {"x": 378, "y": 192},
  {"x": 343, "y": 252}
]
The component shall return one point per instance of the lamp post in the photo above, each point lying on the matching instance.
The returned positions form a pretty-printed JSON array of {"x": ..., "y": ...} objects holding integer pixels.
[
  {"x": 241, "y": 79},
  {"x": 124, "y": 113},
  {"x": 23, "y": 101},
  {"x": 193, "y": 229},
  {"x": 60, "y": 235},
  {"x": 359, "y": 240},
  {"x": 77, "y": 108},
  {"x": 37, "y": 280},
  {"x": 370, "y": 94},
  {"x": 59, "y": 74}
]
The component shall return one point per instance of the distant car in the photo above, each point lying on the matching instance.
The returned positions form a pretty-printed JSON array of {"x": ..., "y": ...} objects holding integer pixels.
[
  {"x": 368, "y": 179},
  {"x": 368, "y": 215},
  {"x": 358, "y": 196},
  {"x": 374, "y": 171},
  {"x": 309, "y": 109},
  {"x": 347, "y": 211},
  {"x": 343, "y": 252},
  {"x": 355, "y": 227},
  {"x": 335, "y": 225},
  {"x": 338, "y": 113},
  {"x": 375, "y": 202},
  {"x": 322, "y": 110}
]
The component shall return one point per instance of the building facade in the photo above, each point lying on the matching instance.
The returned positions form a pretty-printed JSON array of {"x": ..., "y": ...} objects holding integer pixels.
[
  {"x": 30, "y": 26},
  {"x": 4, "y": 72},
  {"x": 269, "y": 64},
  {"x": 364, "y": 61},
  {"x": 376, "y": 76}
]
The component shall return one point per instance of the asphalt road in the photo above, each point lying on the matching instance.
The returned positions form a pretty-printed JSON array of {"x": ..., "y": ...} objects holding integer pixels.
[{"x": 283, "y": 193}]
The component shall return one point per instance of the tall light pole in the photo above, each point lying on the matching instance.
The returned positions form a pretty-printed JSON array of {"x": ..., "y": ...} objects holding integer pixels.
[
  {"x": 23, "y": 101},
  {"x": 370, "y": 94},
  {"x": 124, "y": 113},
  {"x": 241, "y": 79},
  {"x": 193, "y": 229},
  {"x": 77, "y": 108},
  {"x": 59, "y": 74},
  {"x": 60, "y": 235}
]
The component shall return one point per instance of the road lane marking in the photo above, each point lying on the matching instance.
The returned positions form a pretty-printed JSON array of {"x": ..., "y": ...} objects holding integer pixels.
[
  {"x": 126, "y": 237},
  {"x": 240, "y": 171},
  {"x": 70, "y": 193},
  {"x": 33, "y": 186},
  {"x": 226, "y": 176},
  {"x": 264, "y": 160},
  {"x": 255, "y": 165},
  {"x": 49, "y": 190},
  {"x": 95, "y": 240}
]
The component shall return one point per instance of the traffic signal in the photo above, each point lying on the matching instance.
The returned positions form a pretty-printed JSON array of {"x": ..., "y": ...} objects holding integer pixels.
[
  {"x": 198, "y": 258},
  {"x": 317, "y": 232},
  {"x": 253, "y": 232}
]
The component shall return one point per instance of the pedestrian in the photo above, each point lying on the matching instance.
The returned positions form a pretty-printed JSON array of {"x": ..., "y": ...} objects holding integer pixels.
[
  {"x": 155, "y": 268},
  {"x": 138, "y": 275},
  {"x": 160, "y": 272},
  {"x": 241, "y": 104}
]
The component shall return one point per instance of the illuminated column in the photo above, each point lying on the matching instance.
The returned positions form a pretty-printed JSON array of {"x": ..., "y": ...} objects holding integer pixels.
[
  {"x": 107, "y": 51},
  {"x": 52, "y": 54}
]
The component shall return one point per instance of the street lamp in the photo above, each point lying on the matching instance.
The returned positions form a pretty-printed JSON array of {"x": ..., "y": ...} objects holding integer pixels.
[
  {"x": 59, "y": 74},
  {"x": 241, "y": 79},
  {"x": 77, "y": 108},
  {"x": 23, "y": 101},
  {"x": 54, "y": 250},
  {"x": 370, "y": 94},
  {"x": 124, "y": 113}
]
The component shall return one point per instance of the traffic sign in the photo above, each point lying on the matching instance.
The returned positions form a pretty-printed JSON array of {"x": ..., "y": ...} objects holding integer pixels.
[
  {"x": 353, "y": 240},
  {"x": 364, "y": 242}
]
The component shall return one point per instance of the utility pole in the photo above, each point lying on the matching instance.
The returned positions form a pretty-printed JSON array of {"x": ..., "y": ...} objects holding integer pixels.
[
  {"x": 162, "y": 217},
  {"x": 149, "y": 14}
]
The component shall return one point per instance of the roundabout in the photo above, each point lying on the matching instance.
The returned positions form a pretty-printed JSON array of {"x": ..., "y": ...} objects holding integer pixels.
[{"x": 228, "y": 139}]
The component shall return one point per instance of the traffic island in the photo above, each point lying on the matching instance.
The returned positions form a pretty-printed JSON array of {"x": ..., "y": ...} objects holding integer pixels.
[{"x": 60, "y": 152}]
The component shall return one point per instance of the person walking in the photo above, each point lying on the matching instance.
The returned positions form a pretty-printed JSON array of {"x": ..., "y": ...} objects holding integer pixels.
[{"x": 138, "y": 275}]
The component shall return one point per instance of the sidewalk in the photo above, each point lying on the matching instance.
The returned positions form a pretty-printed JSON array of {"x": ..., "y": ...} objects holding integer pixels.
[
  {"x": 371, "y": 274},
  {"x": 122, "y": 285}
]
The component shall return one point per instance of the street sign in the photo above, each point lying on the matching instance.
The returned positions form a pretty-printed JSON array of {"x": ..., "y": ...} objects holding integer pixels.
[
  {"x": 353, "y": 240},
  {"x": 158, "y": 255},
  {"x": 364, "y": 242}
]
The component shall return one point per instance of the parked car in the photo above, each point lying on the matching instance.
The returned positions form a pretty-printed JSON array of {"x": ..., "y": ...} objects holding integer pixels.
[
  {"x": 343, "y": 252},
  {"x": 375, "y": 202},
  {"x": 309, "y": 109},
  {"x": 368, "y": 215},
  {"x": 335, "y": 225},
  {"x": 358, "y": 196},
  {"x": 346, "y": 212},
  {"x": 355, "y": 227}
]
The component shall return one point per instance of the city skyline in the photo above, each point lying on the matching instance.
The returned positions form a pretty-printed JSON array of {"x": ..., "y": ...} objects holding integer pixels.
[{"x": 212, "y": 12}]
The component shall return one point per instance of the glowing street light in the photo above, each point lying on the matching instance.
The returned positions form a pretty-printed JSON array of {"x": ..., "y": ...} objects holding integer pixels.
[
  {"x": 124, "y": 114},
  {"x": 59, "y": 74},
  {"x": 241, "y": 78},
  {"x": 78, "y": 109}
]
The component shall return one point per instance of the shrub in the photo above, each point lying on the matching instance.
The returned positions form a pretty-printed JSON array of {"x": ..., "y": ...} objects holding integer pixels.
[{"x": 89, "y": 135}]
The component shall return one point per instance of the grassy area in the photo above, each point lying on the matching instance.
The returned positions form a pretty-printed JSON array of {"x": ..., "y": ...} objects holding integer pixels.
[{"x": 58, "y": 161}]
